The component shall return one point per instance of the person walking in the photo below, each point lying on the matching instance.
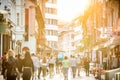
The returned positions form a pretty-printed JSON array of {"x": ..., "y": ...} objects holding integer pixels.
[
  {"x": 19, "y": 65},
  {"x": 44, "y": 67},
  {"x": 28, "y": 67},
  {"x": 57, "y": 65},
  {"x": 11, "y": 66},
  {"x": 60, "y": 57},
  {"x": 4, "y": 59},
  {"x": 79, "y": 64},
  {"x": 40, "y": 67},
  {"x": 65, "y": 66},
  {"x": 73, "y": 64},
  {"x": 36, "y": 64},
  {"x": 51, "y": 66},
  {"x": 86, "y": 65}
]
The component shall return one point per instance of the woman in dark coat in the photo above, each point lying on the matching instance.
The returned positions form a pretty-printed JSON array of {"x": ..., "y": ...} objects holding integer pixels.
[
  {"x": 28, "y": 67},
  {"x": 11, "y": 65}
]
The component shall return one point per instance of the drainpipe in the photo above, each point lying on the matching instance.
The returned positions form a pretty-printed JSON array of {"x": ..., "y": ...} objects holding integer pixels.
[{"x": 119, "y": 9}]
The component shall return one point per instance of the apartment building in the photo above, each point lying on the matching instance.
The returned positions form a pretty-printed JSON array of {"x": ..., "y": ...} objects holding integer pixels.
[{"x": 51, "y": 26}]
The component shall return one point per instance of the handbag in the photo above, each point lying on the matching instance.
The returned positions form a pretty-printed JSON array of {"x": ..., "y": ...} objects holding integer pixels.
[{"x": 13, "y": 71}]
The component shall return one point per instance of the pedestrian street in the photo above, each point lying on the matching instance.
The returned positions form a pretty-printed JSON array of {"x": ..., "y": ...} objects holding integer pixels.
[{"x": 61, "y": 77}]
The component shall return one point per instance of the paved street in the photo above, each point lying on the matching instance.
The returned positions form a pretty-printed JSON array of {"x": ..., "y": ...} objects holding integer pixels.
[{"x": 60, "y": 77}]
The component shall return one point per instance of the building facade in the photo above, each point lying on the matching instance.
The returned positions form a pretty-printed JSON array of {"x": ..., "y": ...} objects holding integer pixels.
[
  {"x": 66, "y": 40},
  {"x": 101, "y": 30},
  {"x": 20, "y": 15},
  {"x": 8, "y": 37},
  {"x": 29, "y": 39},
  {"x": 51, "y": 26}
]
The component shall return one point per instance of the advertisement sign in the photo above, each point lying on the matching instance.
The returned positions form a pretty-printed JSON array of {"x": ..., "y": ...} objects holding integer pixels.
[{"x": 3, "y": 28}]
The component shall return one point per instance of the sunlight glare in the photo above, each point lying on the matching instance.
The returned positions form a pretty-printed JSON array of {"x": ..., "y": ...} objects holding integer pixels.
[{"x": 69, "y": 9}]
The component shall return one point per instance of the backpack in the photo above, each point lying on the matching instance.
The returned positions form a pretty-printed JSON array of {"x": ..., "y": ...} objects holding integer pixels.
[{"x": 60, "y": 56}]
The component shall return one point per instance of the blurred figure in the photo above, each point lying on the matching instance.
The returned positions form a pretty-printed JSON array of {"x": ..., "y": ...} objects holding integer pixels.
[
  {"x": 79, "y": 64},
  {"x": 28, "y": 67},
  {"x": 105, "y": 63},
  {"x": 4, "y": 59},
  {"x": 44, "y": 67},
  {"x": 115, "y": 62},
  {"x": 36, "y": 64},
  {"x": 86, "y": 65},
  {"x": 65, "y": 65},
  {"x": 73, "y": 64},
  {"x": 11, "y": 65},
  {"x": 60, "y": 59},
  {"x": 19, "y": 65},
  {"x": 40, "y": 67},
  {"x": 57, "y": 65},
  {"x": 51, "y": 65}
]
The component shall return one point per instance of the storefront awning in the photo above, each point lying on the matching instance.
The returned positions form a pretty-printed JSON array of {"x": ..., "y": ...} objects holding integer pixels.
[{"x": 113, "y": 42}]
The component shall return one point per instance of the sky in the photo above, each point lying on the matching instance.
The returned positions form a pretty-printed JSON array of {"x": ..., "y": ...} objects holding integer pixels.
[{"x": 69, "y": 9}]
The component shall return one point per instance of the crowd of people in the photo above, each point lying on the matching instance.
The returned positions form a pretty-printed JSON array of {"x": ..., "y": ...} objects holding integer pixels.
[{"x": 34, "y": 66}]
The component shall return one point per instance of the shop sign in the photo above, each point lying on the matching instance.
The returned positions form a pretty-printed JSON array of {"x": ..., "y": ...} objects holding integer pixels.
[{"x": 3, "y": 28}]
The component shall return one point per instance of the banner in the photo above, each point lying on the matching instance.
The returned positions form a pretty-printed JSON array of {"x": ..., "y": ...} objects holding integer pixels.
[{"x": 3, "y": 28}]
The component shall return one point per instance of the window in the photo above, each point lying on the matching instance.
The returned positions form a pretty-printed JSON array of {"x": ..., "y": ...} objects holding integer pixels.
[
  {"x": 55, "y": 22},
  {"x": 48, "y": 32},
  {"x": 52, "y": 32},
  {"x": 51, "y": 21},
  {"x": 51, "y": 10},
  {"x": 55, "y": 33},
  {"x": 54, "y": 11},
  {"x": 52, "y": 1},
  {"x": 53, "y": 44}
]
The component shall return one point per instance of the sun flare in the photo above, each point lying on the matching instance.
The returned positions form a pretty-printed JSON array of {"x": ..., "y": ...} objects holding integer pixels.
[{"x": 69, "y": 9}]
